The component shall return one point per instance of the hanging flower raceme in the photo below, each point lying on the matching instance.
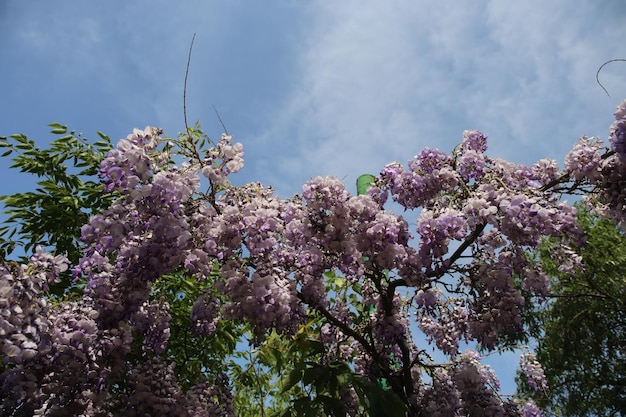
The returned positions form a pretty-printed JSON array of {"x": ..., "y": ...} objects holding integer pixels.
[
  {"x": 610, "y": 196},
  {"x": 130, "y": 163}
]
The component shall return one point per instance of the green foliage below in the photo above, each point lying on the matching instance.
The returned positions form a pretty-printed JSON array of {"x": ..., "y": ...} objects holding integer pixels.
[
  {"x": 193, "y": 355},
  {"x": 583, "y": 328}
]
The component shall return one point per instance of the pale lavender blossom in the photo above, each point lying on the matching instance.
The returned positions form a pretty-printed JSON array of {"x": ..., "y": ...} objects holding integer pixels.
[
  {"x": 530, "y": 409},
  {"x": 583, "y": 161},
  {"x": 474, "y": 140},
  {"x": 129, "y": 165},
  {"x": 546, "y": 171},
  {"x": 205, "y": 316},
  {"x": 471, "y": 165},
  {"x": 222, "y": 160},
  {"x": 532, "y": 370},
  {"x": 211, "y": 399},
  {"x": 617, "y": 136},
  {"x": 152, "y": 320}
]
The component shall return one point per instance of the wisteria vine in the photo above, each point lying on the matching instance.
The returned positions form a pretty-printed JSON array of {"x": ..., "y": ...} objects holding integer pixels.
[{"x": 266, "y": 262}]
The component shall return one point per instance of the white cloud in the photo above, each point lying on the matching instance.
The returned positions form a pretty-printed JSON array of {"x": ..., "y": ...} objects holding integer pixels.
[
  {"x": 379, "y": 82},
  {"x": 357, "y": 78}
]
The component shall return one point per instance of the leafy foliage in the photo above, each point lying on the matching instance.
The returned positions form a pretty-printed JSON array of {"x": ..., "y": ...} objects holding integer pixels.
[
  {"x": 582, "y": 329},
  {"x": 67, "y": 192}
]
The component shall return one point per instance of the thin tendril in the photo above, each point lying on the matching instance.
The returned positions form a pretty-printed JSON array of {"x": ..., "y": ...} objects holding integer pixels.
[
  {"x": 185, "y": 85},
  {"x": 600, "y": 69},
  {"x": 220, "y": 119}
]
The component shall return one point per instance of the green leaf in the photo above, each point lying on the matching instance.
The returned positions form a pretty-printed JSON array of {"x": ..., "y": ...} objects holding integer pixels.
[
  {"x": 363, "y": 183},
  {"x": 313, "y": 373},
  {"x": 58, "y": 129},
  {"x": 294, "y": 377},
  {"x": 20, "y": 138},
  {"x": 103, "y": 136},
  {"x": 102, "y": 144},
  {"x": 64, "y": 139}
]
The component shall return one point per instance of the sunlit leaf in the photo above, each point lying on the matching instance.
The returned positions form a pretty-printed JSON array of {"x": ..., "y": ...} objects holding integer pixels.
[{"x": 363, "y": 183}]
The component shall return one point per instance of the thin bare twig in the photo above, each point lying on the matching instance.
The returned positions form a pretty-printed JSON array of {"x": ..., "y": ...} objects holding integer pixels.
[
  {"x": 185, "y": 85},
  {"x": 600, "y": 69},
  {"x": 220, "y": 119}
]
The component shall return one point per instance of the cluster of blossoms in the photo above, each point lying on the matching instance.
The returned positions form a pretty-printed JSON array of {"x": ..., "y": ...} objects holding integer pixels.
[
  {"x": 533, "y": 372},
  {"x": 605, "y": 171},
  {"x": 129, "y": 164},
  {"x": 152, "y": 320},
  {"x": 204, "y": 316},
  {"x": 54, "y": 357},
  {"x": 263, "y": 261},
  {"x": 22, "y": 303},
  {"x": 617, "y": 135},
  {"x": 225, "y": 159}
]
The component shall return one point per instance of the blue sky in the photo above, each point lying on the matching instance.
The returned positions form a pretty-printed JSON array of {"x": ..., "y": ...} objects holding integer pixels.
[{"x": 316, "y": 87}]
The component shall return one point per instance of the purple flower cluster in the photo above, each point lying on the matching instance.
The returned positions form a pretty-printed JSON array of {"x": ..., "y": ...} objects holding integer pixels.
[
  {"x": 546, "y": 172},
  {"x": 343, "y": 346},
  {"x": 445, "y": 324},
  {"x": 209, "y": 400},
  {"x": 431, "y": 173},
  {"x": 609, "y": 197},
  {"x": 130, "y": 163},
  {"x": 350, "y": 401},
  {"x": 381, "y": 238},
  {"x": 82, "y": 361},
  {"x": 536, "y": 281},
  {"x": 152, "y": 320},
  {"x": 53, "y": 357},
  {"x": 465, "y": 387},
  {"x": 136, "y": 240},
  {"x": 477, "y": 385},
  {"x": 24, "y": 324},
  {"x": 143, "y": 235},
  {"x": 617, "y": 136},
  {"x": 154, "y": 391},
  {"x": 471, "y": 165},
  {"x": 474, "y": 140},
  {"x": 390, "y": 326},
  {"x": 584, "y": 160},
  {"x": 224, "y": 159},
  {"x": 530, "y": 409},
  {"x": 266, "y": 298},
  {"x": 535, "y": 378},
  {"x": 498, "y": 210},
  {"x": 441, "y": 398},
  {"x": 497, "y": 309},
  {"x": 437, "y": 230},
  {"x": 23, "y": 307},
  {"x": 526, "y": 219},
  {"x": 471, "y": 162},
  {"x": 205, "y": 316}
]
